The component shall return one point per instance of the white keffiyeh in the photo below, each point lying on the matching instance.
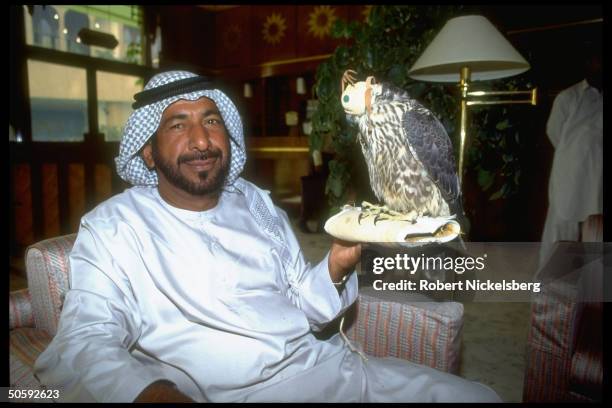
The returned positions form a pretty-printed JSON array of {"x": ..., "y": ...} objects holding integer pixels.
[{"x": 144, "y": 121}]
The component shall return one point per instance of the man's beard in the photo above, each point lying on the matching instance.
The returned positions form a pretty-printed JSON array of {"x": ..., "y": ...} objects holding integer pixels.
[{"x": 210, "y": 181}]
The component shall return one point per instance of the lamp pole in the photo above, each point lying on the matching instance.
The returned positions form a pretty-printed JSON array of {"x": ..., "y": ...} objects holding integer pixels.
[{"x": 463, "y": 85}]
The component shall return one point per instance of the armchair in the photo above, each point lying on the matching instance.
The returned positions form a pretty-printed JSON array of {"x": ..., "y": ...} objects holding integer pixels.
[
  {"x": 427, "y": 333},
  {"x": 564, "y": 346}
]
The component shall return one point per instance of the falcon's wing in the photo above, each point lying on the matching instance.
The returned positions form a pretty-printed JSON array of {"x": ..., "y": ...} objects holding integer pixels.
[{"x": 430, "y": 144}]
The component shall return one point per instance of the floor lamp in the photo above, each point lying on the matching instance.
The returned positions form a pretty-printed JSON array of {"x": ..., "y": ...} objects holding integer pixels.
[{"x": 470, "y": 48}]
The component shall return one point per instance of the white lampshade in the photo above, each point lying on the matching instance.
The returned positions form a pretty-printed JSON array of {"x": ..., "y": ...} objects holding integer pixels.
[{"x": 470, "y": 41}]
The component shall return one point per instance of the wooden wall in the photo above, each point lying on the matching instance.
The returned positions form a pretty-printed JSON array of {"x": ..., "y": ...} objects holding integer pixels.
[{"x": 249, "y": 42}]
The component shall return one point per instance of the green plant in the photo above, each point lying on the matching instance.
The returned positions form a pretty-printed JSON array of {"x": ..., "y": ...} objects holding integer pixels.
[
  {"x": 386, "y": 47},
  {"x": 496, "y": 146}
]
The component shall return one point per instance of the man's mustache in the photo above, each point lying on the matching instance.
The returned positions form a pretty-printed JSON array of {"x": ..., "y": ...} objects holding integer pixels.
[{"x": 206, "y": 154}]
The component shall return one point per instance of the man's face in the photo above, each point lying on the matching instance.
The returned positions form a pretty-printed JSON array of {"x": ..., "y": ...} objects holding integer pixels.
[{"x": 191, "y": 148}]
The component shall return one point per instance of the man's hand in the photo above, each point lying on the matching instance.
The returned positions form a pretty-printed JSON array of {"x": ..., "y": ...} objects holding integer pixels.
[
  {"x": 162, "y": 391},
  {"x": 343, "y": 257}
]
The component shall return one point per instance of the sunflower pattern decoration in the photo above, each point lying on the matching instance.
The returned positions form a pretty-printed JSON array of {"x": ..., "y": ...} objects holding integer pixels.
[
  {"x": 274, "y": 28},
  {"x": 320, "y": 21}
]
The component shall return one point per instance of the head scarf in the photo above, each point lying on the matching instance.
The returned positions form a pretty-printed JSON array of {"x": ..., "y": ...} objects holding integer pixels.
[{"x": 145, "y": 120}]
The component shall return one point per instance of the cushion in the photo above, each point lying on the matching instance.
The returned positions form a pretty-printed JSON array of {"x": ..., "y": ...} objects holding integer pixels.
[{"x": 408, "y": 326}]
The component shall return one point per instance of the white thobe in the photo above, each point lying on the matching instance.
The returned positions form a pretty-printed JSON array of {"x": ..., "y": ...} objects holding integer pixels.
[
  {"x": 575, "y": 188},
  {"x": 204, "y": 300}
]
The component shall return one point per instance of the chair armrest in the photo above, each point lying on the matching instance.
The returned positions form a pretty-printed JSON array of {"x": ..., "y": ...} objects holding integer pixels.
[
  {"x": 47, "y": 268},
  {"x": 20, "y": 309},
  {"x": 564, "y": 352},
  {"x": 408, "y": 326},
  {"x": 586, "y": 378},
  {"x": 553, "y": 326},
  {"x": 552, "y": 341}
]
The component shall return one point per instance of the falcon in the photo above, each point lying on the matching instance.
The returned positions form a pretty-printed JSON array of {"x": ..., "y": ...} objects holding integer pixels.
[{"x": 408, "y": 153}]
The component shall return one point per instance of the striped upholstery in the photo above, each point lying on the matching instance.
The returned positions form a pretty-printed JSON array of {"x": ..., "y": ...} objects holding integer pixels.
[
  {"x": 547, "y": 377},
  {"x": 548, "y": 349},
  {"x": 559, "y": 357},
  {"x": 564, "y": 354},
  {"x": 396, "y": 325},
  {"x": 20, "y": 309},
  {"x": 28, "y": 343},
  {"x": 25, "y": 346},
  {"x": 587, "y": 361},
  {"x": 587, "y": 372},
  {"x": 552, "y": 321},
  {"x": 47, "y": 270}
]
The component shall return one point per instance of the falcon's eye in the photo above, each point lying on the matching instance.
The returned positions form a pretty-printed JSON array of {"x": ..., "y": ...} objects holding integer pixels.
[{"x": 345, "y": 98}]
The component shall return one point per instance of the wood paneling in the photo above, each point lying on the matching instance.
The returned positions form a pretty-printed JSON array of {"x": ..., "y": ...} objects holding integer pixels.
[
  {"x": 102, "y": 183},
  {"x": 76, "y": 194},
  {"x": 59, "y": 199},
  {"x": 234, "y": 36},
  {"x": 50, "y": 200},
  {"x": 24, "y": 234}
]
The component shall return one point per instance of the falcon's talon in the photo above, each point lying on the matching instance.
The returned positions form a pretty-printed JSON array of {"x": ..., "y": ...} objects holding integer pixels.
[
  {"x": 384, "y": 213},
  {"x": 359, "y": 218}
]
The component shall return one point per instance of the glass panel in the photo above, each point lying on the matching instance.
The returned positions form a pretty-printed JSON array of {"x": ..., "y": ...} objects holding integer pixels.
[
  {"x": 58, "y": 101},
  {"x": 156, "y": 46},
  {"x": 115, "y": 98},
  {"x": 42, "y": 28},
  {"x": 74, "y": 21},
  {"x": 57, "y": 27}
]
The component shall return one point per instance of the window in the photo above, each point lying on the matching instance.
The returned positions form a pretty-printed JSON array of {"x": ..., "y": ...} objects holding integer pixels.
[
  {"x": 44, "y": 30},
  {"x": 57, "y": 27},
  {"x": 115, "y": 97},
  {"x": 58, "y": 102},
  {"x": 59, "y": 80},
  {"x": 74, "y": 21}
]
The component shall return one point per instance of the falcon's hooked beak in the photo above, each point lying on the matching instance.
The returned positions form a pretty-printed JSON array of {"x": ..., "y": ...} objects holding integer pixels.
[{"x": 357, "y": 97}]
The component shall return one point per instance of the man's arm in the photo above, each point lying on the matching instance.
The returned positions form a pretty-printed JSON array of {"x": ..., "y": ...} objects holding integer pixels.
[{"x": 312, "y": 287}]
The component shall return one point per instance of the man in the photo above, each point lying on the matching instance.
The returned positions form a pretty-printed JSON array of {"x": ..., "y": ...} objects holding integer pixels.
[
  {"x": 575, "y": 129},
  {"x": 191, "y": 284}
]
